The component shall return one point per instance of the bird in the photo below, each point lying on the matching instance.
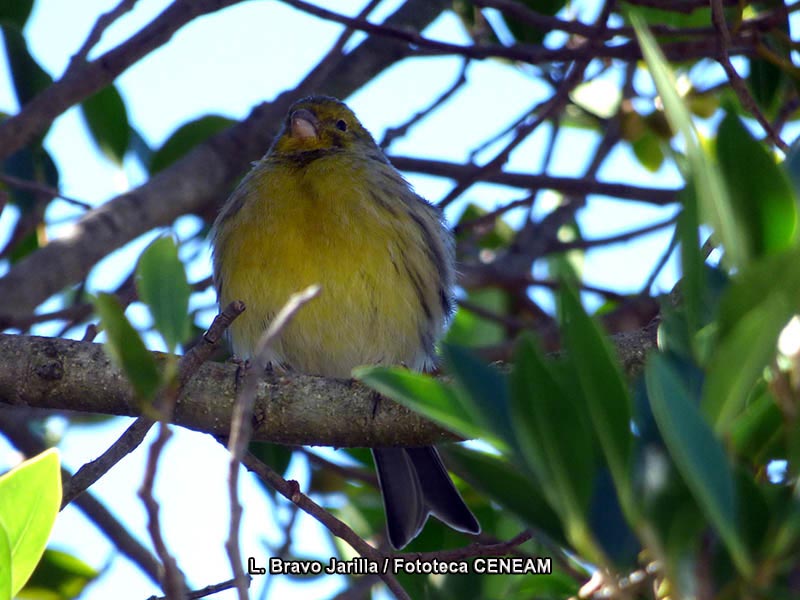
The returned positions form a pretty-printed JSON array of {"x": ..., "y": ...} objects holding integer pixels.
[{"x": 325, "y": 206}]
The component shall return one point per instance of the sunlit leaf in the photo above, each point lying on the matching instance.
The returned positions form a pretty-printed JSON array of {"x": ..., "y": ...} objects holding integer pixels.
[
  {"x": 712, "y": 195},
  {"x": 58, "y": 576},
  {"x": 30, "y": 498},
  {"x": 758, "y": 187}
]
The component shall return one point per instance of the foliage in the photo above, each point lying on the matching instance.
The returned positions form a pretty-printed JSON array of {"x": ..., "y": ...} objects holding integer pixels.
[
  {"x": 30, "y": 498},
  {"x": 675, "y": 479}
]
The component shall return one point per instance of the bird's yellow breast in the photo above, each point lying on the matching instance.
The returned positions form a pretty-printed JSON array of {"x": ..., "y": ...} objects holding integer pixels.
[{"x": 322, "y": 224}]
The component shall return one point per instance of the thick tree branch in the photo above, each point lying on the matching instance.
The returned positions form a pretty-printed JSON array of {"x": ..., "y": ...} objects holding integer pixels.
[{"x": 292, "y": 409}]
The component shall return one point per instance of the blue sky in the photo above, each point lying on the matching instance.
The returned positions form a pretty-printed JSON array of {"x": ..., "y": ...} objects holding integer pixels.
[{"x": 224, "y": 64}]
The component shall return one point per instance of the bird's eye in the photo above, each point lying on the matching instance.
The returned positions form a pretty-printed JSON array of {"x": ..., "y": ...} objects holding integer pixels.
[{"x": 341, "y": 125}]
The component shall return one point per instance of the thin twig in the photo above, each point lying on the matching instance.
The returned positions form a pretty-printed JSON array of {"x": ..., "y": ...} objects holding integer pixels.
[
  {"x": 565, "y": 185},
  {"x": 209, "y": 590},
  {"x": 241, "y": 426},
  {"x": 470, "y": 551},
  {"x": 617, "y": 237},
  {"x": 103, "y": 22},
  {"x": 291, "y": 491},
  {"x": 89, "y": 473},
  {"x": 737, "y": 83},
  {"x": 41, "y": 188},
  {"x": 173, "y": 582},
  {"x": 394, "y": 133}
]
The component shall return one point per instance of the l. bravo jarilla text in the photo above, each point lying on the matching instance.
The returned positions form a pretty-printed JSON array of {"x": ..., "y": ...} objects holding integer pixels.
[{"x": 394, "y": 564}]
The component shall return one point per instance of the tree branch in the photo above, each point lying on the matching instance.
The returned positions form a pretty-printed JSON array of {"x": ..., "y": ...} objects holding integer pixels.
[{"x": 291, "y": 409}]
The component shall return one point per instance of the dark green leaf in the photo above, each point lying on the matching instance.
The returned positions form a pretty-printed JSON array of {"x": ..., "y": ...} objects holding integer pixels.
[
  {"x": 185, "y": 138},
  {"x": 30, "y": 498},
  {"x": 542, "y": 411},
  {"x": 556, "y": 586},
  {"x": 470, "y": 329},
  {"x": 126, "y": 347},
  {"x": 58, "y": 576},
  {"x": 754, "y": 431},
  {"x": 759, "y": 190},
  {"x": 493, "y": 235},
  {"x": 506, "y": 485},
  {"x": 107, "y": 118},
  {"x": 605, "y": 391},
  {"x": 764, "y": 80},
  {"x": 522, "y": 29},
  {"x": 27, "y": 245},
  {"x": 698, "y": 456},
  {"x": 162, "y": 285},
  {"x": 648, "y": 150},
  {"x": 15, "y": 12},
  {"x": 692, "y": 263},
  {"x": 484, "y": 389},
  {"x": 423, "y": 394},
  {"x": 29, "y": 78}
]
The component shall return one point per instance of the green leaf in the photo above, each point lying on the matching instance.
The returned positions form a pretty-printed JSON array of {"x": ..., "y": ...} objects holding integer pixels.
[
  {"x": 107, "y": 118},
  {"x": 692, "y": 263},
  {"x": 30, "y": 498},
  {"x": 698, "y": 456},
  {"x": 605, "y": 391},
  {"x": 508, "y": 486},
  {"x": 494, "y": 235},
  {"x": 58, "y": 576},
  {"x": 5, "y": 564},
  {"x": 522, "y": 30},
  {"x": 471, "y": 329},
  {"x": 764, "y": 80},
  {"x": 29, "y": 78},
  {"x": 126, "y": 347},
  {"x": 711, "y": 193},
  {"x": 15, "y": 12},
  {"x": 759, "y": 190},
  {"x": 739, "y": 360},
  {"x": 756, "y": 306},
  {"x": 185, "y": 138},
  {"x": 162, "y": 285},
  {"x": 423, "y": 394},
  {"x": 757, "y": 428},
  {"x": 541, "y": 412},
  {"x": 484, "y": 392},
  {"x": 648, "y": 150}
]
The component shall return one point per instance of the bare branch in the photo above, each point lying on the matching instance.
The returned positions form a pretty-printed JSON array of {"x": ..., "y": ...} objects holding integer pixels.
[{"x": 241, "y": 427}]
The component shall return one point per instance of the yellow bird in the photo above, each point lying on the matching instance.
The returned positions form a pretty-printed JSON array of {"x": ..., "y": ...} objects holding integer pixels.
[{"x": 325, "y": 206}]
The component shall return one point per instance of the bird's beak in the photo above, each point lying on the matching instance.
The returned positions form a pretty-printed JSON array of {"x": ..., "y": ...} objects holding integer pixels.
[{"x": 304, "y": 124}]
